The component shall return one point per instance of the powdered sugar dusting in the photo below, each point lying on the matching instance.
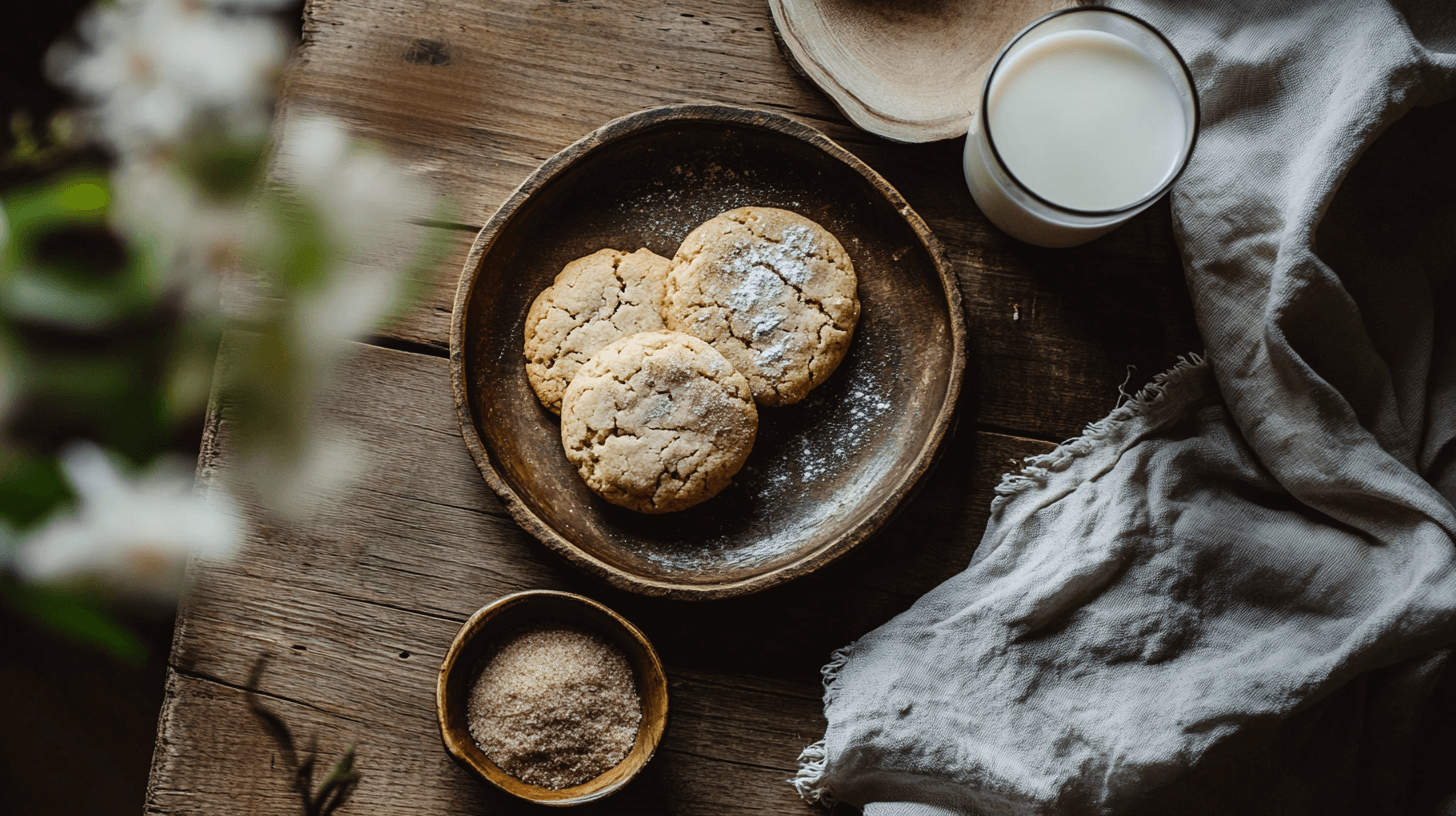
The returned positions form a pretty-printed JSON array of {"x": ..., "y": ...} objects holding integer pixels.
[
  {"x": 756, "y": 297},
  {"x": 787, "y": 258},
  {"x": 669, "y": 209},
  {"x": 843, "y": 450},
  {"x": 815, "y": 464}
]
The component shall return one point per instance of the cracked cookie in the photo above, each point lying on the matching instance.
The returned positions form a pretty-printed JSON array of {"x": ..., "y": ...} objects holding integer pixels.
[
  {"x": 658, "y": 421},
  {"x": 770, "y": 289},
  {"x": 594, "y": 301}
]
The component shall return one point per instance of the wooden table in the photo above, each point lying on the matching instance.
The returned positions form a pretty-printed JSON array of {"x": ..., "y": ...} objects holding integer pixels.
[{"x": 357, "y": 606}]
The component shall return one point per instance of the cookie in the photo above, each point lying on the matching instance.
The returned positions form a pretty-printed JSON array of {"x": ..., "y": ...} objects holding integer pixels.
[
  {"x": 771, "y": 290},
  {"x": 595, "y": 300},
  {"x": 657, "y": 422}
]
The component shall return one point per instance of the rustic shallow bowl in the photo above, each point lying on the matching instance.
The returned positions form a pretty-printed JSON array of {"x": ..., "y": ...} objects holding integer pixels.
[
  {"x": 911, "y": 72},
  {"x": 475, "y": 641},
  {"x": 824, "y": 474}
]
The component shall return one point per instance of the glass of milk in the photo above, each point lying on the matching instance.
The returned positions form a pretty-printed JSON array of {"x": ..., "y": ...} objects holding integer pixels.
[{"x": 1087, "y": 117}]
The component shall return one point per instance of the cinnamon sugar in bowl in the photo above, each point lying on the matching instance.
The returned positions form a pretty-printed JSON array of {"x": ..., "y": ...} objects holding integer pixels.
[{"x": 551, "y": 697}]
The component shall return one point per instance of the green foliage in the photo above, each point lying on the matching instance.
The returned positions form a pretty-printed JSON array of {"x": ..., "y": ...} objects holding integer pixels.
[
  {"x": 109, "y": 326},
  {"x": 77, "y": 614},
  {"x": 300, "y": 253},
  {"x": 31, "y": 486},
  {"x": 334, "y": 791},
  {"x": 223, "y": 168},
  {"x": 31, "y": 150},
  {"x": 84, "y": 332}
]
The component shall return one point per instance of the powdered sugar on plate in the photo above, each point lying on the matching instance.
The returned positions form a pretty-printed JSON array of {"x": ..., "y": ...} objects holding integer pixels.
[{"x": 844, "y": 452}]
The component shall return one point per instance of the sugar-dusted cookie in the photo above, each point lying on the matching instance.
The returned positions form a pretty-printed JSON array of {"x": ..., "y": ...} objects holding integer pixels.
[
  {"x": 595, "y": 300},
  {"x": 658, "y": 422},
  {"x": 771, "y": 290}
]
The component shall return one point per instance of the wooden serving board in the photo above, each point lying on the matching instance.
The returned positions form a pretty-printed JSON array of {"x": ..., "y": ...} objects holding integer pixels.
[{"x": 357, "y": 606}]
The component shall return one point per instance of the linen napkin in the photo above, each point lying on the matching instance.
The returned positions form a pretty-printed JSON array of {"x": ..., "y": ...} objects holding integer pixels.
[{"x": 1237, "y": 593}]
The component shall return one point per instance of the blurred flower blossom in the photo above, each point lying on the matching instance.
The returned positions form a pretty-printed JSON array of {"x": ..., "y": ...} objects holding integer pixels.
[
  {"x": 131, "y": 534},
  {"x": 116, "y": 291},
  {"x": 190, "y": 236},
  {"x": 365, "y": 196},
  {"x": 363, "y": 202},
  {"x": 155, "y": 69}
]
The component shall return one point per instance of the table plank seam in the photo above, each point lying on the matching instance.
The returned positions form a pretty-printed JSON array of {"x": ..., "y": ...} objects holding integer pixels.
[
  {"x": 1017, "y": 433},
  {"x": 707, "y": 680},
  {"x": 739, "y": 763},
  {"x": 501, "y": 514},
  {"x": 233, "y": 569},
  {"x": 457, "y": 619},
  {"x": 206, "y": 678},
  {"x": 408, "y": 346},
  {"x": 457, "y": 226}
]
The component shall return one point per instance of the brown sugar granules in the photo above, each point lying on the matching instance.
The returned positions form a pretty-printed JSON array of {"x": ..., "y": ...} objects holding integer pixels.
[{"x": 555, "y": 706}]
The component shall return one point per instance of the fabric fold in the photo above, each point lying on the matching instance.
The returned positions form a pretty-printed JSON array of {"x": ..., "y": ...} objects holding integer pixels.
[{"x": 1238, "y": 592}]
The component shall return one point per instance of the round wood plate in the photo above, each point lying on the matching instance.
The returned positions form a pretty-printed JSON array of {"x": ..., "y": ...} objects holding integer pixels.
[
  {"x": 907, "y": 70},
  {"x": 824, "y": 474}
]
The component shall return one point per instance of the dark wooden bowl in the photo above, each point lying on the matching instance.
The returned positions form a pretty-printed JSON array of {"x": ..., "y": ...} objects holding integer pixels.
[
  {"x": 824, "y": 474},
  {"x": 478, "y": 636}
]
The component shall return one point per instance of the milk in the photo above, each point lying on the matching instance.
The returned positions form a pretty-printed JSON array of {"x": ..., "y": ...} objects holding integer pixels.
[{"x": 1089, "y": 129}]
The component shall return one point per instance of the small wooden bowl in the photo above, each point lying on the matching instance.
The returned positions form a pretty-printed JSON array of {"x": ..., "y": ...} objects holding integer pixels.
[
  {"x": 473, "y": 643},
  {"x": 824, "y": 474}
]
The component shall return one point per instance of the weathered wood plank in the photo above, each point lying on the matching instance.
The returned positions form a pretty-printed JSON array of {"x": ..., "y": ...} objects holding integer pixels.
[
  {"x": 364, "y": 662},
  {"x": 476, "y": 97},
  {"x": 358, "y": 603},
  {"x": 421, "y": 525},
  {"x": 357, "y": 606},
  {"x": 428, "y": 260},
  {"x": 216, "y": 760}
]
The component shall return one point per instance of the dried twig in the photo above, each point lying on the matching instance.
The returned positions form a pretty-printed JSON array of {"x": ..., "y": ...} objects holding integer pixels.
[{"x": 336, "y": 787}]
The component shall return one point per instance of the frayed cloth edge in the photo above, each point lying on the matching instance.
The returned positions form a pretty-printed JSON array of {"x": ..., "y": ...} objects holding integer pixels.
[
  {"x": 809, "y": 780},
  {"x": 1035, "y": 470}
]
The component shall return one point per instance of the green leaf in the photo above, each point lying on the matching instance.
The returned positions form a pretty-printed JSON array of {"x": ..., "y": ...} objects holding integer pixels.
[
  {"x": 76, "y": 615},
  {"x": 224, "y": 168},
  {"x": 296, "y": 251},
  {"x": 32, "y": 295},
  {"x": 78, "y": 197},
  {"x": 62, "y": 264},
  {"x": 31, "y": 488},
  {"x": 84, "y": 196},
  {"x": 424, "y": 266}
]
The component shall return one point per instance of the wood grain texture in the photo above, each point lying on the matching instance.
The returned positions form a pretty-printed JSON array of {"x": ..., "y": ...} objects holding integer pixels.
[
  {"x": 476, "y": 97},
  {"x": 357, "y": 606},
  {"x": 428, "y": 260}
]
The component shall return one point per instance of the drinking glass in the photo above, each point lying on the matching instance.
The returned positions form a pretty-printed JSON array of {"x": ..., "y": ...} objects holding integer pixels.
[{"x": 1034, "y": 216}]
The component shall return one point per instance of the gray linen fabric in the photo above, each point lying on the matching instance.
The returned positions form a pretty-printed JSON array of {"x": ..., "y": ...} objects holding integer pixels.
[{"x": 1237, "y": 594}]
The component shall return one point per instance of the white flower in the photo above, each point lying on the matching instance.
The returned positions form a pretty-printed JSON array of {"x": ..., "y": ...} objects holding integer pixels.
[
  {"x": 364, "y": 196},
  {"x": 193, "y": 237},
  {"x": 131, "y": 534},
  {"x": 366, "y": 202},
  {"x": 155, "y": 68}
]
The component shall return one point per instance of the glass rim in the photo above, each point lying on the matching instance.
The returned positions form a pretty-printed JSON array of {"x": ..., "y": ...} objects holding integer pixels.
[{"x": 991, "y": 141}]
